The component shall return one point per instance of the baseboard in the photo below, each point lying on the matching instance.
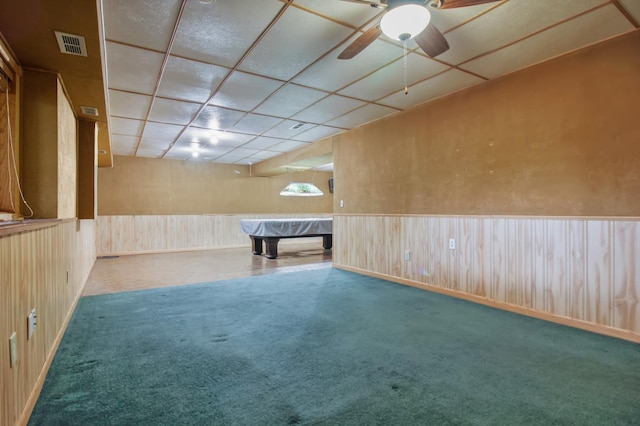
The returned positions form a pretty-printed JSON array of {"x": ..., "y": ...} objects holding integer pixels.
[
  {"x": 571, "y": 322},
  {"x": 37, "y": 387},
  {"x": 283, "y": 242}
]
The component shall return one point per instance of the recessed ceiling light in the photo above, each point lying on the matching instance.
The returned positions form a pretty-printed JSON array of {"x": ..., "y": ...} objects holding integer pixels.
[{"x": 195, "y": 154}]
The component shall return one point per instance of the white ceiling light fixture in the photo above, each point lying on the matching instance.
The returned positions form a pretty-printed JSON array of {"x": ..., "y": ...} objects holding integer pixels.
[{"x": 405, "y": 21}]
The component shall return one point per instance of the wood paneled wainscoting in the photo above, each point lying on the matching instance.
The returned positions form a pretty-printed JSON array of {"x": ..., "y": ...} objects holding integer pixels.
[
  {"x": 583, "y": 272},
  {"x": 133, "y": 234},
  {"x": 46, "y": 269}
]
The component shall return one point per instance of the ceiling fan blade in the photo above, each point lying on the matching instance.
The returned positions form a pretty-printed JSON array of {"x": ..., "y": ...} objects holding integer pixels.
[
  {"x": 450, "y": 4},
  {"x": 361, "y": 43},
  {"x": 432, "y": 41}
]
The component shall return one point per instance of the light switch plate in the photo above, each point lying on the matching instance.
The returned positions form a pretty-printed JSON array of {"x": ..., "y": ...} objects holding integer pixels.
[
  {"x": 13, "y": 349},
  {"x": 31, "y": 323}
]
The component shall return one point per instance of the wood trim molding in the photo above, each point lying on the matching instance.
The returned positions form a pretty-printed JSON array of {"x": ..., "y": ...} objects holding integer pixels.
[
  {"x": 583, "y": 325},
  {"x": 626, "y": 14},
  {"x": 18, "y": 227},
  {"x": 614, "y": 218}
]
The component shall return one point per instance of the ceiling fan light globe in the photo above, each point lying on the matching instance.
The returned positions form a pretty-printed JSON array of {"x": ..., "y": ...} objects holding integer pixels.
[{"x": 409, "y": 19}]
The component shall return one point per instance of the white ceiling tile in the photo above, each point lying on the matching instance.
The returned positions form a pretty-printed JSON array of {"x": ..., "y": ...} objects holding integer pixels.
[
  {"x": 149, "y": 153},
  {"x": 350, "y": 13},
  {"x": 255, "y": 124},
  {"x": 141, "y": 23},
  {"x": 448, "y": 82},
  {"x": 244, "y": 91},
  {"x": 263, "y": 155},
  {"x": 233, "y": 139},
  {"x": 190, "y": 80},
  {"x": 317, "y": 133},
  {"x": 287, "y": 146},
  {"x": 126, "y": 126},
  {"x": 201, "y": 136},
  {"x": 216, "y": 151},
  {"x": 632, "y": 7},
  {"x": 177, "y": 155},
  {"x": 156, "y": 144},
  {"x": 162, "y": 131},
  {"x": 123, "y": 151},
  {"x": 139, "y": 75},
  {"x": 228, "y": 159},
  {"x": 391, "y": 78},
  {"x": 327, "y": 109},
  {"x": 296, "y": 40},
  {"x": 221, "y": 32},
  {"x": 262, "y": 142},
  {"x": 184, "y": 148},
  {"x": 332, "y": 73},
  {"x": 123, "y": 141},
  {"x": 284, "y": 130},
  {"x": 290, "y": 99},
  {"x": 506, "y": 23},
  {"x": 446, "y": 19},
  {"x": 213, "y": 117},
  {"x": 361, "y": 116},
  {"x": 128, "y": 105},
  {"x": 173, "y": 112},
  {"x": 243, "y": 152},
  {"x": 599, "y": 24}
]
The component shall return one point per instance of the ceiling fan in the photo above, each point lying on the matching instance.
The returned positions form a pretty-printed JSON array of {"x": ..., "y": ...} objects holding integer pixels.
[{"x": 404, "y": 20}]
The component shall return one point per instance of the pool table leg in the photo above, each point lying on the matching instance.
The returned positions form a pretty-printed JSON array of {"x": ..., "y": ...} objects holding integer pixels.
[
  {"x": 327, "y": 241},
  {"x": 256, "y": 245},
  {"x": 272, "y": 247}
]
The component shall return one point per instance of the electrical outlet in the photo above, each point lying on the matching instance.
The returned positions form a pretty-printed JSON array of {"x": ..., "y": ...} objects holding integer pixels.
[
  {"x": 407, "y": 255},
  {"x": 13, "y": 349},
  {"x": 31, "y": 323},
  {"x": 341, "y": 203},
  {"x": 452, "y": 243}
]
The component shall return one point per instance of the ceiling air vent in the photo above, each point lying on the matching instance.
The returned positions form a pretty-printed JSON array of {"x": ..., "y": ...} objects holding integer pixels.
[
  {"x": 71, "y": 44},
  {"x": 89, "y": 110},
  {"x": 296, "y": 126}
]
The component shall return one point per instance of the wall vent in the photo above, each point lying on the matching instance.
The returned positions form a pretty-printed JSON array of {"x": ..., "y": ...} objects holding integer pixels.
[
  {"x": 71, "y": 44},
  {"x": 296, "y": 126},
  {"x": 89, "y": 110}
]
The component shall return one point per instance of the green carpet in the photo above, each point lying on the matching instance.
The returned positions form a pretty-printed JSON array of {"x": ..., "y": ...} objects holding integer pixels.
[{"x": 328, "y": 347}]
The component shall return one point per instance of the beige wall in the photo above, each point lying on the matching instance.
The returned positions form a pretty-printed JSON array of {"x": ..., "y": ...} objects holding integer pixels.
[
  {"x": 536, "y": 178},
  {"x": 146, "y": 186},
  {"x": 560, "y": 138},
  {"x": 49, "y": 147},
  {"x": 67, "y": 157}
]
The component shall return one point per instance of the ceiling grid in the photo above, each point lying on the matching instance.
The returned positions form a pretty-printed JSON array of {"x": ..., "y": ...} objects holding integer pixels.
[{"x": 236, "y": 76}]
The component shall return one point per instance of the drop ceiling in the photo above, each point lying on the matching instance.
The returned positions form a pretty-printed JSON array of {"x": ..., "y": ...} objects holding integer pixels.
[{"x": 235, "y": 78}]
